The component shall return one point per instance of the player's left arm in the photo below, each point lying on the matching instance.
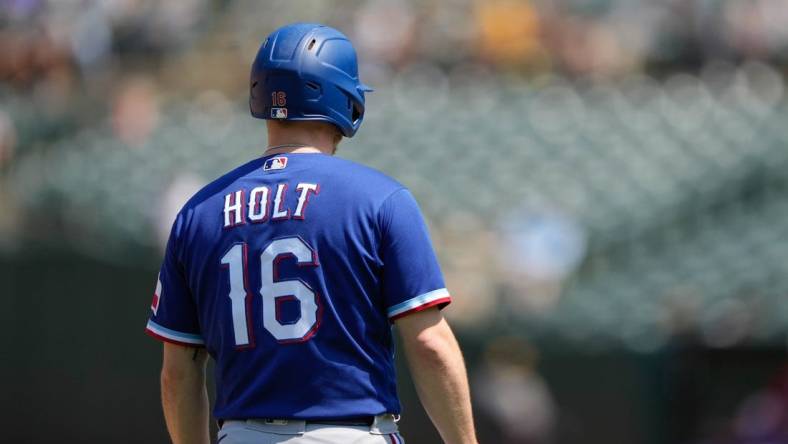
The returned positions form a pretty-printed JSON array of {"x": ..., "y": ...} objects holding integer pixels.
[
  {"x": 184, "y": 397},
  {"x": 438, "y": 371},
  {"x": 414, "y": 291}
]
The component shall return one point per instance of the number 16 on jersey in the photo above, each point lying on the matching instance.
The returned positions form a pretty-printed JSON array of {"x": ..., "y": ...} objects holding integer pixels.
[{"x": 273, "y": 292}]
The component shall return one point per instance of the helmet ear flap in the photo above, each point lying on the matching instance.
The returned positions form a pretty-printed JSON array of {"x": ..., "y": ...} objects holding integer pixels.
[
  {"x": 357, "y": 114},
  {"x": 355, "y": 109}
]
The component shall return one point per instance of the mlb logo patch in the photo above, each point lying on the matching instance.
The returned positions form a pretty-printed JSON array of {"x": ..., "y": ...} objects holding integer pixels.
[
  {"x": 279, "y": 113},
  {"x": 275, "y": 163}
]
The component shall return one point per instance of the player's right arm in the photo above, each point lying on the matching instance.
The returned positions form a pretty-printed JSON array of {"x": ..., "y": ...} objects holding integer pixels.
[
  {"x": 438, "y": 370},
  {"x": 174, "y": 320},
  {"x": 183, "y": 394}
]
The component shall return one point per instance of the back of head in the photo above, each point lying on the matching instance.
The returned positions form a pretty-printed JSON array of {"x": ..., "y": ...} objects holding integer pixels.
[{"x": 308, "y": 72}]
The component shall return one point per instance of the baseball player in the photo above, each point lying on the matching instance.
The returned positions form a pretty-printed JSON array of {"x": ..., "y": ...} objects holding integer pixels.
[{"x": 290, "y": 270}]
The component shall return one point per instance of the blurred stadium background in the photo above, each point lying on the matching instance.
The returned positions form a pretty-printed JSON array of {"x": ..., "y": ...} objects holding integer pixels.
[{"x": 605, "y": 182}]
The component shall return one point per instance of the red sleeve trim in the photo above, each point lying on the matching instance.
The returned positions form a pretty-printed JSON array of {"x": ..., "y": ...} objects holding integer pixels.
[
  {"x": 442, "y": 302},
  {"x": 172, "y": 341}
]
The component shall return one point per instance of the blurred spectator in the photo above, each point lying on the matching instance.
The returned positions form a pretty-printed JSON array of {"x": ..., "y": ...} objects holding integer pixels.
[
  {"x": 9, "y": 223},
  {"x": 469, "y": 250},
  {"x": 509, "y": 32},
  {"x": 512, "y": 393},
  {"x": 29, "y": 56},
  {"x": 7, "y": 139},
  {"x": 761, "y": 417},
  {"x": 756, "y": 29},
  {"x": 91, "y": 36},
  {"x": 541, "y": 248},
  {"x": 385, "y": 31},
  {"x": 135, "y": 112}
]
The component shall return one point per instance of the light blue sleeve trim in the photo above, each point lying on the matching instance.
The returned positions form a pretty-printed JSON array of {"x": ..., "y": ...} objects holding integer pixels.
[
  {"x": 419, "y": 300},
  {"x": 165, "y": 332}
]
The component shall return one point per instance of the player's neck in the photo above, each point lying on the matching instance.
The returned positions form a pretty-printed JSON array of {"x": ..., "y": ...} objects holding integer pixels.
[
  {"x": 305, "y": 137},
  {"x": 293, "y": 148}
]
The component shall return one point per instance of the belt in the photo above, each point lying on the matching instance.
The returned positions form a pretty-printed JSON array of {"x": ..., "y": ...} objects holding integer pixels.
[{"x": 348, "y": 422}]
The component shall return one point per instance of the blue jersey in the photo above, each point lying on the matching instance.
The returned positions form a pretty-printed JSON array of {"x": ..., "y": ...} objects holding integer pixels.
[{"x": 289, "y": 270}]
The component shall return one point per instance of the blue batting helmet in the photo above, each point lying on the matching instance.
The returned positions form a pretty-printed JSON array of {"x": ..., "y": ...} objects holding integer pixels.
[{"x": 307, "y": 71}]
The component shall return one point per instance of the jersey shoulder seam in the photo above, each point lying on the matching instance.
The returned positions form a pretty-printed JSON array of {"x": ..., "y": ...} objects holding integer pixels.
[{"x": 383, "y": 202}]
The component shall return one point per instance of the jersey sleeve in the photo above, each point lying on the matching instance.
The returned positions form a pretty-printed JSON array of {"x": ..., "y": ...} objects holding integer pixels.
[
  {"x": 173, "y": 311},
  {"x": 412, "y": 279}
]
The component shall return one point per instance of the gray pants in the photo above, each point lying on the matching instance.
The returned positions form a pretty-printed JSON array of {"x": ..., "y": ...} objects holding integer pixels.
[{"x": 256, "y": 431}]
